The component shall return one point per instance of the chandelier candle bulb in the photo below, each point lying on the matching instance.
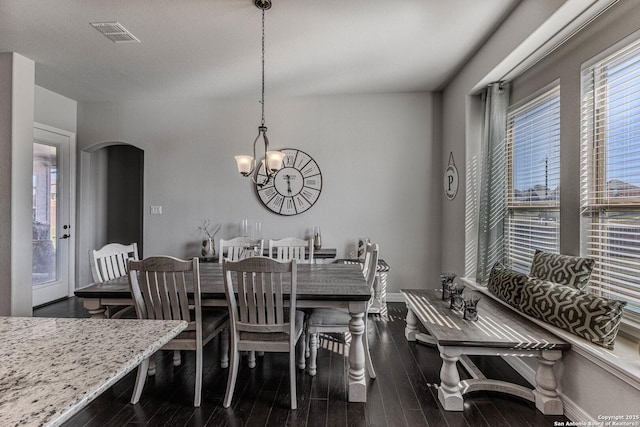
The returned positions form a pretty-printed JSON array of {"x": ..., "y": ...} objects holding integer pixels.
[
  {"x": 244, "y": 164},
  {"x": 274, "y": 160}
]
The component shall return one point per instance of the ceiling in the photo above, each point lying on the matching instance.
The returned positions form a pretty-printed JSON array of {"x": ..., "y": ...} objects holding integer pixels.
[{"x": 211, "y": 48}]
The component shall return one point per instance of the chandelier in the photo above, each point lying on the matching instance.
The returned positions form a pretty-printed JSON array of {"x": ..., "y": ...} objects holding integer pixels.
[{"x": 272, "y": 159}]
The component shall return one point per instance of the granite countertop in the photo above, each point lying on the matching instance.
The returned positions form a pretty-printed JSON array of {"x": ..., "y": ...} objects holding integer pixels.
[{"x": 51, "y": 368}]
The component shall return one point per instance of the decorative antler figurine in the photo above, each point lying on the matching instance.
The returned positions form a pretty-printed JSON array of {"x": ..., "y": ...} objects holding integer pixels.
[
  {"x": 471, "y": 307},
  {"x": 205, "y": 228},
  {"x": 446, "y": 279}
]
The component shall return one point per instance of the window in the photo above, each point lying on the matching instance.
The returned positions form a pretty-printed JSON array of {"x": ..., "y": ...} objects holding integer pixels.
[
  {"x": 533, "y": 179},
  {"x": 610, "y": 173}
]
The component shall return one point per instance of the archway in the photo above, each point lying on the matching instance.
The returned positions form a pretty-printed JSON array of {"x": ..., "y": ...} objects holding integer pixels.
[{"x": 111, "y": 200}]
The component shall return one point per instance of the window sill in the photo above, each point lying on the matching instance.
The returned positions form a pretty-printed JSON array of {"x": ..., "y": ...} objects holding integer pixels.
[{"x": 623, "y": 361}]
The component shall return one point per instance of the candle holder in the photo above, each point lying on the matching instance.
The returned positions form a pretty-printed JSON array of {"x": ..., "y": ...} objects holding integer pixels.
[
  {"x": 457, "y": 301},
  {"x": 471, "y": 307},
  {"x": 447, "y": 280}
]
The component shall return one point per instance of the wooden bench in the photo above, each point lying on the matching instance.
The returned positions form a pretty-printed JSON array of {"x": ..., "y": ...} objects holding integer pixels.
[{"x": 498, "y": 331}]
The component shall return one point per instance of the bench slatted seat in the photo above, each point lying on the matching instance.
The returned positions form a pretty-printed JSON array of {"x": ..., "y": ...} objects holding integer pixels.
[{"x": 499, "y": 331}]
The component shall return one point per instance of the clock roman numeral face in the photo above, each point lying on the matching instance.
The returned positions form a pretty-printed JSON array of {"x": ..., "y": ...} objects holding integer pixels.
[{"x": 295, "y": 187}]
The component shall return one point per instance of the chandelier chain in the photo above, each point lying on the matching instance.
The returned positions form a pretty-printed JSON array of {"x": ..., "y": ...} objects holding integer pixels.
[{"x": 262, "y": 101}]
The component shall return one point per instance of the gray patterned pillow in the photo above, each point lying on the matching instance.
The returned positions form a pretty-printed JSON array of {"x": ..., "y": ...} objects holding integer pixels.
[
  {"x": 586, "y": 315},
  {"x": 562, "y": 269},
  {"x": 506, "y": 284}
]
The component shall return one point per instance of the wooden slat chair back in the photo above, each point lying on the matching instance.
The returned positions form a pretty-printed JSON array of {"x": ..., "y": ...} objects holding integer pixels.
[
  {"x": 159, "y": 287},
  {"x": 240, "y": 248},
  {"x": 256, "y": 290},
  {"x": 370, "y": 265},
  {"x": 291, "y": 248},
  {"x": 335, "y": 320},
  {"x": 110, "y": 261}
]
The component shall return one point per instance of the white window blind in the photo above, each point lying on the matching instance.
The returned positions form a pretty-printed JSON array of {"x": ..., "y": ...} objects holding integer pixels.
[
  {"x": 610, "y": 173},
  {"x": 533, "y": 179}
]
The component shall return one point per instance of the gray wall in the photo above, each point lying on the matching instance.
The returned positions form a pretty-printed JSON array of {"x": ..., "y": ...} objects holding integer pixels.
[
  {"x": 379, "y": 157},
  {"x": 55, "y": 110},
  {"x": 590, "y": 390}
]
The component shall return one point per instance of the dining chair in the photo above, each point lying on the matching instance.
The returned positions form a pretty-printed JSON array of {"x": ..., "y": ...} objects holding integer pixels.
[
  {"x": 291, "y": 248},
  {"x": 336, "y": 320},
  {"x": 110, "y": 262},
  {"x": 259, "y": 320},
  {"x": 239, "y": 248},
  {"x": 159, "y": 289}
]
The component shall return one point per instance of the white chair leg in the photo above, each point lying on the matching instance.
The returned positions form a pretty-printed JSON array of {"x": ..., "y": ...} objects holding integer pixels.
[
  {"x": 367, "y": 354},
  {"x": 197, "y": 396},
  {"x": 300, "y": 350},
  {"x": 313, "y": 352},
  {"x": 251, "y": 359},
  {"x": 306, "y": 342},
  {"x": 177, "y": 358},
  {"x": 292, "y": 378},
  {"x": 224, "y": 348},
  {"x": 141, "y": 377},
  {"x": 233, "y": 373}
]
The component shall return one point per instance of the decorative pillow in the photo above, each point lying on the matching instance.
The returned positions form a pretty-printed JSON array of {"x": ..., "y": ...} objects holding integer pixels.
[
  {"x": 506, "y": 284},
  {"x": 562, "y": 269},
  {"x": 586, "y": 315}
]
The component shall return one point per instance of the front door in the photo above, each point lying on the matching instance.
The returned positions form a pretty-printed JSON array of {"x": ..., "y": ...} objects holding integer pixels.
[{"x": 53, "y": 232}]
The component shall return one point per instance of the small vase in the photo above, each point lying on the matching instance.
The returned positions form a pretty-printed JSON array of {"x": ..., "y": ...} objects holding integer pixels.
[
  {"x": 208, "y": 248},
  {"x": 317, "y": 238}
]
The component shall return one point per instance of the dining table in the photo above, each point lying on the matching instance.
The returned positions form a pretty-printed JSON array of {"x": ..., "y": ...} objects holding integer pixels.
[
  {"x": 53, "y": 367},
  {"x": 340, "y": 286}
]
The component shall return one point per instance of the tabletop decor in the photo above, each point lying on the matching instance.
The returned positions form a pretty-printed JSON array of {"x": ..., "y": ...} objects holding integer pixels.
[
  {"x": 457, "y": 301},
  {"x": 471, "y": 306},
  {"x": 272, "y": 159},
  {"x": 447, "y": 280},
  {"x": 317, "y": 238},
  {"x": 208, "y": 245}
]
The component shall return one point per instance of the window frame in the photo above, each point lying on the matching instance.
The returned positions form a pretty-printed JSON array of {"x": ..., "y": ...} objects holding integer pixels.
[{"x": 595, "y": 206}]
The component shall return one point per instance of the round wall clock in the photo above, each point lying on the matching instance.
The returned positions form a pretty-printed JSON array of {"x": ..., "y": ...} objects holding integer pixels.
[{"x": 295, "y": 187}]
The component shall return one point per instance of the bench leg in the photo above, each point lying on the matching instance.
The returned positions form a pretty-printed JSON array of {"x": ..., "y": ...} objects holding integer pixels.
[
  {"x": 412, "y": 325},
  {"x": 449, "y": 390},
  {"x": 546, "y": 394}
]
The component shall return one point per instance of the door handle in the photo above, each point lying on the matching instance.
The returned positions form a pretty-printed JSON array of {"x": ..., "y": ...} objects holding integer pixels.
[{"x": 66, "y": 235}]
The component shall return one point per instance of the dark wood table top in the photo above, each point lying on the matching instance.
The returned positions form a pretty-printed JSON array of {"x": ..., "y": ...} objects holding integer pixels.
[
  {"x": 497, "y": 325},
  {"x": 331, "y": 282}
]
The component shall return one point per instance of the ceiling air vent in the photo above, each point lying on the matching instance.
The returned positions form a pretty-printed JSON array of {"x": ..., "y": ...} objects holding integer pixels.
[{"x": 115, "y": 32}]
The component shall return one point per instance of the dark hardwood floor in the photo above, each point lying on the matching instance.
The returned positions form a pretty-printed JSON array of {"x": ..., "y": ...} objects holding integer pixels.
[{"x": 403, "y": 394}]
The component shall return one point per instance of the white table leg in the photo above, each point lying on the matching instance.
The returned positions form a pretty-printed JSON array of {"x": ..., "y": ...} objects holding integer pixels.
[
  {"x": 412, "y": 325},
  {"x": 546, "y": 394},
  {"x": 357, "y": 381},
  {"x": 449, "y": 390},
  {"x": 95, "y": 309}
]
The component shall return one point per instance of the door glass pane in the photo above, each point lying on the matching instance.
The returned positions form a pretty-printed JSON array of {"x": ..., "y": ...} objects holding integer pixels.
[{"x": 45, "y": 168}]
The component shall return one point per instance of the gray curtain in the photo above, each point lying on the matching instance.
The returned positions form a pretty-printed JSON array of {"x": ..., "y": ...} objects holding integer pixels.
[{"x": 492, "y": 175}]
